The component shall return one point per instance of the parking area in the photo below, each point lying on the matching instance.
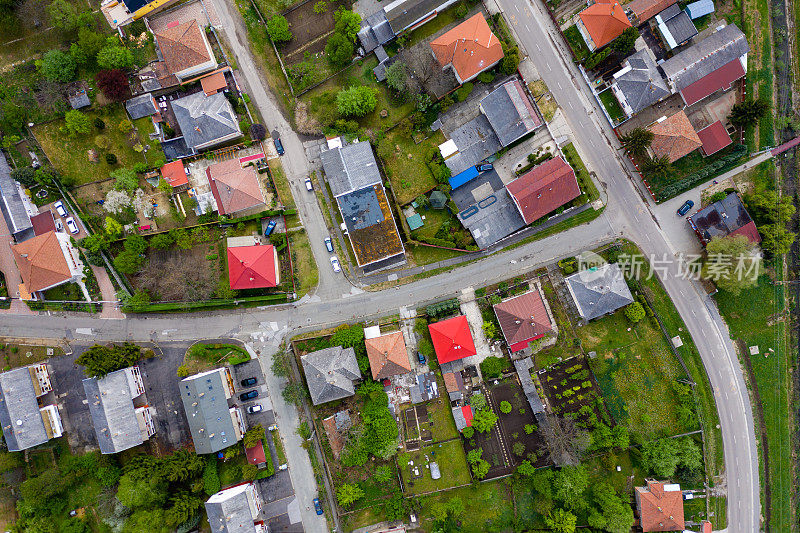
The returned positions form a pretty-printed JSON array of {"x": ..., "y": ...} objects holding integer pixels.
[{"x": 62, "y": 220}]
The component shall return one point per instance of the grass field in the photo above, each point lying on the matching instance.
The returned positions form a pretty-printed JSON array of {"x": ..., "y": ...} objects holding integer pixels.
[
  {"x": 488, "y": 507},
  {"x": 756, "y": 27},
  {"x": 452, "y": 463},
  {"x": 576, "y": 43},
  {"x": 305, "y": 268},
  {"x": 201, "y": 357},
  {"x": 611, "y": 105},
  {"x": 406, "y": 166}
]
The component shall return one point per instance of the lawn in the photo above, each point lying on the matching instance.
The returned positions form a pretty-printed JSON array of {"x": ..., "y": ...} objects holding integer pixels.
[
  {"x": 452, "y": 463},
  {"x": 488, "y": 507},
  {"x": 448, "y": 223},
  {"x": 581, "y": 172},
  {"x": 576, "y": 43},
  {"x": 566, "y": 345},
  {"x": 15, "y": 355},
  {"x": 201, "y": 357},
  {"x": 425, "y": 255},
  {"x": 276, "y": 439},
  {"x": 405, "y": 164},
  {"x": 69, "y": 292},
  {"x": 611, "y": 104},
  {"x": 305, "y": 268}
]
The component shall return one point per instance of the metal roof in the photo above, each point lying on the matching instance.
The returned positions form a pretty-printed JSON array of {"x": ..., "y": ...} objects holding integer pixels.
[
  {"x": 402, "y": 14},
  {"x": 17, "y": 217},
  {"x": 476, "y": 140},
  {"x": 330, "y": 373},
  {"x": 492, "y": 218},
  {"x": 510, "y": 112},
  {"x": 640, "y": 82},
  {"x": 205, "y": 120},
  {"x": 350, "y": 168},
  {"x": 113, "y": 414},
  {"x": 20, "y": 419},
  {"x": 675, "y": 26},
  {"x": 141, "y": 106},
  {"x": 599, "y": 291},
  {"x": 700, "y": 8},
  {"x": 207, "y": 411}
]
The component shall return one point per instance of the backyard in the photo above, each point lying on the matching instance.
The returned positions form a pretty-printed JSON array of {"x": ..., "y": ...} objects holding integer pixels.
[
  {"x": 406, "y": 163},
  {"x": 571, "y": 392},
  {"x": 415, "y": 467},
  {"x": 611, "y": 105},
  {"x": 517, "y": 424},
  {"x": 576, "y": 43},
  {"x": 487, "y": 507},
  {"x": 442, "y": 225}
]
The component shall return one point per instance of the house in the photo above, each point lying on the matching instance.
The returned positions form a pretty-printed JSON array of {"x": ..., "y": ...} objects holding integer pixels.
[
  {"x": 214, "y": 82},
  {"x": 184, "y": 53},
  {"x": 674, "y": 137},
  {"x": 406, "y": 15},
  {"x": 601, "y": 23},
  {"x": 175, "y": 174},
  {"x": 13, "y": 207},
  {"x": 79, "y": 100},
  {"x": 141, "y": 106},
  {"x": 426, "y": 388},
  {"x": 489, "y": 214},
  {"x": 253, "y": 267},
  {"x": 452, "y": 339},
  {"x": 43, "y": 222},
  {"x": 639, "y": 84},
  {"x": 24, "y": 422},
  {"x": 463, "y": 416},
  {"x": 388, "y": 355},
  {"x": 544, "y": 188},
  {"x": 700, "y": 8},
  {"x": 599, "y": 291},
  {"x": 331, "y": 373},
  {"x": 660, "y": 506},
  {"x": 510, "y": 112},
  {"x": 121, "y": 12},
  {"x": 214, "y": 421},
  {"x": 118, "y": 422},
  {"x": 644, "y": 10},
  {"x": 455, "y": 386},
  {"x": 468, "y": 145},
  {"x": 236, "y": 509},
  {"x": 725, "y": 217},
  {"x": 205, "y": 121},
  {"x": 375, "y": 31},
  {"x": 523, "y": 368},
  {"x": 46, "y": 261},
  {"x": 255, "y": 454},
  {"x": 709, "y": 66},
  {"x": 523, "y": 319},
  {"x": 235, "y": 187},
  {"x": 468, "y": 49},
  {"x": 675, "y": 26},
  {"x": 714, "y": 138},
  {"x": 350, "y": 168}
]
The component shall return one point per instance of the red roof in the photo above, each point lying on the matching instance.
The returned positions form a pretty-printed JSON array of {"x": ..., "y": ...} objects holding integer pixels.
[
  {"x": 252, "y": 267},
  {"x": 214, "y": 82},
  {"x": 43, "y": 222},
  {"x": 605, "y": 20},
  {"x": 470, "y": 48},
  {"x": 466, "y": 410},
  {"x": 659, "y": 509},
  {"x": 647, "y": 9},
  {"x": 722, "y": 78},
  {"x": 256, "y": 455},
  {"x": 750, "y": 231},
  {"x": 452, "y": 339},
  {"x": 522, "y": 319},
  {"x": 544, "y": 188},
  {"x": 174, "y": 174},
  {"x": 714, "y": 138}
]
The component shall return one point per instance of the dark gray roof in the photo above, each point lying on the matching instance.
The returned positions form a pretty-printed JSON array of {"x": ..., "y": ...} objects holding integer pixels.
[
  {"x": 599, "y": 291},
  {"x": 14, "y": 212},
  {"x": 510, "y": 112},
  {"x": 523, "y": 367},
  {"x": 231, "y": 514},
  {"x": 79, "y": 100},
  {"x": 20, "y": 418},
  {"x": 113, "y": 414},
  {"x": 710, "y": 54},
  {"x": 722, "y": 218},
  {"x": 208, "y": 412},
  {"x": 205, "y": 120},
  {"x": 375, "y": 31},
  {"x": 350, "y": 168},
  {"x": 425, "y": 389},
  {"x": 380, "y": 70},
  {"x": 640, "y": 82},
  {"x": 675, "y": 25},
  {"x": 176, "y": 149},
  {"x": 492, "y": 218},
  {"x": 330, "y": 373},
  {"x": 361, "y": 209},
  {"x": 141, "y": 106},
  {"x": 403, "y": 14},
  {"x": 476, "y": 140}
]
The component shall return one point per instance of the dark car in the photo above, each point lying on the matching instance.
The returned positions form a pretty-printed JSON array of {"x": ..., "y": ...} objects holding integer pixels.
[
  {"x": 484, "y": 167},
  {"x": 421, "y": 358},
  {"x": 687, "y": 205},
  {"x": 249, "y": 382},
  {"x": 317, "y": 506},
  {"x": 329, "y": 245},
  {"x": 249, "y": 395},
  {"x": 270, "y": 227},
  {"x": 279, "y": 146}
]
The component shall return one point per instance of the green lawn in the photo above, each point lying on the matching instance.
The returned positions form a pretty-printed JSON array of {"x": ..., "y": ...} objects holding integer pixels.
[
  {"x": 488, "y": 507},
  {"x": 576, "y": 43},
  {"x": 457, "y": 234},
  {"x": 70, "y": 292},
  {"x": 276, "y": 439},
  {"x": 425, "y": 255},
  {"x": 611, "y": 104},
  {"x": 305, "y": 268},
  {"x": 452, "y": 465},
  {"x": 201, "y": 357},
  {"x": 406, "y": 166},
  {"x": 565, "y": 346}
]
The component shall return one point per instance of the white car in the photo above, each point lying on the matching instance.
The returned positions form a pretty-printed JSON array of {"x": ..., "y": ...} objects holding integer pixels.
[
  {"x": 60, "y": 209},
  {"x": 255, "y": 408},
  {"x": 309, "y": 185},
  {"x": 59, "y": 226},
  {"x": 73, "y": 227},
  {"x": 335, "y": 264}
]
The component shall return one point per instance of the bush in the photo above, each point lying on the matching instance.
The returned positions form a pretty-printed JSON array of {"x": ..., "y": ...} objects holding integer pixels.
[
  {"x": 464, "y": 91},
  {"x": 468, "y": 432},
  {"x": 461, "y": 11},
  {"x": 211, "y": 483},
  {"x": 492, "y": 367},
  {"x": 99, "y": 124},
  {"x": 505, "y": 407},
  {"x": 486, "y": 77},
  {"x": 111, "y": 159},
  {"x": 356, "y": 101},
  {"x": 339, "y": 49},
  {"x": 278, "y": 29},
  {"x": 634, "y": 312},
  {"x": 58, "y": 66}
]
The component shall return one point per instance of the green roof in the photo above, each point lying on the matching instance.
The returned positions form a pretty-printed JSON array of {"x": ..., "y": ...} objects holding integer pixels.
[
  {"x": 414, "y": 221},
  {"x": 438, "y": 200}
]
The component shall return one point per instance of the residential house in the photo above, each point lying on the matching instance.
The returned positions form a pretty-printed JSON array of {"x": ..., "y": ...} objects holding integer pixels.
[
  {"x": 12, "y": 205},
  {"x": 602, "y": 22},
  {"x": 700, "y": 8},
  {"x": 599, "y": 290},
  {"x": 452, "y": 339},
  {"x": 336, "y": 427},
  {"x": 660, "y": 506},
  {"x": 510, "y": 112},
  {"x": 43, "y": 223},
  {"x": 468, "y": 49},
  {"x": 523, "y": 319},
  {"x": 236, "y": 188},
  {"x": 204, "y": 122},
  {"x": 214, "y": 421},
  {"x": 46, "y": 261},
  {"x": 709, "y": 66},
  {"x": 184, "y": 53},
  {"x": 714, "y": 137},
  {"x": 175, "y": 174},
  {"x": 455, "y": 387},
  {"x": 331, "y": 373},
  {"x": 673, "y": 137},
  {"x": 236, "y": 509},
  {"x": 722, "y": 218},
  {"x": 253, "y": 267},
  {"x": 468, "y": 145},
  {"x": 644, "y": 10},
  {"x": 463, "y": 416},
  {"x": 544, "y": 188},
  {"x": 141, "y": 106},
  {"x": 675, "y": 26},
  {"x": 387, "y": 354},
  {"x": 426, "y": 388},
  {"x": 118, "y": 422},
  {"x": 639, "y": 84},
  {"x": 24, "y": 422},
  {"x": 121, "y": 12},
  {"x": 407, "y": 15}
]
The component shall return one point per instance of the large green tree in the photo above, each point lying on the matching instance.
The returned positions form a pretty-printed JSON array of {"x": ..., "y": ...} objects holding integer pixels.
[
  {"x": 58, "y": 66},
  {"x": 748, "y": 112},
  {"x": 339, "y": 49},
  {"x": 625, "y": 42},
  {"x": 396, "y": 77},
  {"x": 569, "y": 484},
  {"x": 637, "y": 141},
  {"x": 76, "y": 123},
  {"x": 115, "y": 56},
  {"x": 484, "y": 420},
  {"x": 348, "y": 23},
  {"x": 731, "y": 263},
  {"x": 99, "y": 360},
  {"x": 278, "y": 29},
  {"x": 63, "y": 15},
  {"x": 141, "y": 493},
  {"x": 356, "y": 101},
  {"x": 561, "y": 521},
  {"x": 348, "y": 493}
]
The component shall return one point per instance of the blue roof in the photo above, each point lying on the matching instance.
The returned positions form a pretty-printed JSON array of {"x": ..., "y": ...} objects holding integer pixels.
[
  {"x": 462, "y": 177},
  {"x": 700, "y": 8},
  {"x": 414, "y": 221},
  {"x": 361, "y": 209}
]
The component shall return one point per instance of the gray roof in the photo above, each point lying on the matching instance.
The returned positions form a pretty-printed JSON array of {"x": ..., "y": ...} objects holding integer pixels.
[
  {"x": 523, "y": 367},
  {"x": 721, "y": 218},
  {"x": 458, "y": 416},
  {"x": 208, "y": 412},
  {"x": 350, "y": 168},
  {"x": 330, "y": 373},
  {"x": 599, "y": 291},
  {"x": 79, "y": 100},
  {"x": 492, "y": 218},
  {"x": 510, "y": 112},
  {"x": 402, "y": 15},
  {"x": 380, "y": 70},
  {"x": 113, "y": 413},
  {"x": 641, "y": 82},
  {"x": 205, "y": 121},
  {"x": 375, "y": 31},
  {"x": 176, "y": 148},
  {"x": 710, "y": 54},
  {"x": 17, "y": 217},
  {"x": 141, "y": 106},
  {"x": 675, "y": 25},
  {"x": 20, "y": 418},
  {"x": 361, "y": 209},
  {"x": 342, "y": 420},
  {"x": 700, "y": 8},
  {"x": 476, "y": 140},
  {"x": 231, "y": 515},
  {"x": 426, "y": 388}
]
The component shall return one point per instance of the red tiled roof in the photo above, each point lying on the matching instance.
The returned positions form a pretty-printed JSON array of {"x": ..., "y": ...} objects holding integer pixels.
[
  {"x": 706, "y": 526},
  {"x": 234, "y": 187},
  {"x": 182, "y": 46},
  {"x": 335, "y": 438},
  {"x": 174, "y": 174},
  {"x": 252, "y": 267},
  {"x": 522, "y": 319},
  {"x": 451, "y": 382},
  {"x": 452, "y": 339},
  {"x": 470, "y": 47},
  {"x": 387, "y": 355},
  {"x": 605, "y": 20},
  {"x": 674, "y": 137},
  {"x": 256, "y": 454},
  {"x": 659, "y": 510},
  {"x": 41, "y": 262},
  {"x": 647, "y": 9},
  {"x": 544, "y": 188},
  {"x": 214, "y": 82},
  {"x": 43, "y": 222},
  {"x": 722, "y": 78},
  {"x": 714, "y": 138},
  {"x": 466, "y": 410},
  {"x": 750, "y": 231}
]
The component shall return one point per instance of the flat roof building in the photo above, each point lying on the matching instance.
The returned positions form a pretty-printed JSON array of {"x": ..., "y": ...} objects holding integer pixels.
[
  {"x": 24, "y": 423},
  {"x": 214, "y": 422}
]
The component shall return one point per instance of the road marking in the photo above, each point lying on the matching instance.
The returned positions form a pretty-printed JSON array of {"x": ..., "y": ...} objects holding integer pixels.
[
  {"x": 517, "y": 8},
  {"x": 591, "y": 142},
  {"x": 537, "y": 47},
  {"x": 84, "y": 331},
  {"x": 527, "y": 28},
  {"x": 559, "y": 85},
  {"x": 570, "y": 104}
]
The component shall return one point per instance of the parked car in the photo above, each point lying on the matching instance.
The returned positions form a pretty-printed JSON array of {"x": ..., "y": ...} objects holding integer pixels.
[
  {"x": 270, "y": 227},
  {"x": 335, "y": 264},
  {"x": 421, "y": 358},
  {"x": 59, "y": 226},
  {"x": 73, "y": 227},
  {"x": 60, "y": 209},
  {"x": 249, "y": 395},
  {"x": 687, "y": 205},
  {"x": 257, "y": 408},
  {"x": 309, "y": 185},
  {"x": 484, "y": 167},
  {"x": 249, "y": 382},
  {"x": 279, "y": 146},
  {"x": 317, "y": 506},
  {"x": 343, "y": 227},
  {"x": 329, "y": 245}
]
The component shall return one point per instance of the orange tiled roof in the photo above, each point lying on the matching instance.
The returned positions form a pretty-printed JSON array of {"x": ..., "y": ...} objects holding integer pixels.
[
  {"x": 605, "y": 20},
  {"x": 214, "y": 82},
  {"x": 234, "y": 187},
  {"x": 470, "y": 47},
  {"x": 647, "y": 9},
  {"x": 387, "y": 355},
  {"x": 41, "y": 262},
  {"x": 174, "y": 174},
  {"x": 182, "y": 46},
  {"x": 659, "y": 510},
  {"x": 674, "y": 137}
]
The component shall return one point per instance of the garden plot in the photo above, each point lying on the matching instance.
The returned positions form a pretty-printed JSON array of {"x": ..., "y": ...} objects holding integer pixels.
[
  {"x": 309, "y": 28},
  {"x": 519, "y": 428},
  {"x": 494, "y": 451},
  {"x": 415, "y": 468},
  {"x": 571, "y": 391}
]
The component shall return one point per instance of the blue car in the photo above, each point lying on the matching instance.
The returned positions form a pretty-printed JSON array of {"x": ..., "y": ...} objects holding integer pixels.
[
  {"x": 687, "y": 205},
  {"x": 270, "y": 228},
  {"x": 484, "y": 167},
  {"x": 421, "y": 358},
  {"x": 317, "y": 506},
  {"x": 279, "y": 146}
]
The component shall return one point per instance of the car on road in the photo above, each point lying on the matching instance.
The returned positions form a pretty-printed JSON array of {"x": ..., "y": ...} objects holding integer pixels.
[
  {"x": 270, "y": 227},
  {"x": 335, "y": 264},
  {"x": 317, "y": 506},
  {"x": 309, "y": 185},
  {"x": 279, "y": 146},
  {"x": 484, "y": 167},
  {"x": 60, "y": 209},
  {"x": 687, "y": 205},
  {"x": 249, "y": 382},
  {"x": 257, "y": 408},
  {"x": 249, "y": 395},
  {"x": 59, "y": 226},
  {"x": 73, "y": 227},
  {"x": 329, "y": 244}
]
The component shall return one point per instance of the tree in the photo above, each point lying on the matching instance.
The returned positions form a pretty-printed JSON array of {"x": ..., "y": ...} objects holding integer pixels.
[
  {"x": 348, "y": 23},
  {"x": 89, "y": 44},
  {"x": 253, "y": 435},
  {"x": 776, "y": 239},
  {"x": 731, "y": 263},
  {"x": 634, "y": 312},
  {"x": 138, "y": 302},
  {"x": 348, "y": 337},
  {"x": 569, "y": 484},
  {"x": 100, "y": 360},
  {"x": 294, "y": 393},
  {"x": 748, "y": 112},
  {"x": 626, "y": 41},
  {"x": 383, "y": 474},
  {"x": 484, "y": 420},
  {"x": 125, "y": 179},
  {"x": 356, "y": 101},
  {"x": 76, "y": 123},
  {"x": 519, "y": 449},
  {"x": 348, "y": 493},
  {"x": 128, "y": 262},
  {"x": 162, "y": 241},
  {"x": 489, "y": 329},
  {"x": 116, "y": 202},
  {"x": 63, "y": 15},
  {"x": 505, "y": 407},
  {"x": 112, "y": 227},
  {"x": 125, "y": 125},
  {"x": 114, "y": 56},
  {"x": 657, "y": 166},
  {"x": 510, "y": 61},
  {"x": 564, "y": 440},
  {"x": 637, "y": 141},
  {"x": 396, "y": 76},
  {"x": 526, "y": 469},
  {"x": 561, "y": 521},
  {"x": 136, "y": 493},
  {"x": 135, "y": 244},
  {"x": 468, "y": 432},
  {"x": 258, "y": 132},
  {"x": 58, "y": 66},
  {"x": 113, "y": 84},
  {"x": 24, "y": 175},
  {"x": 339, "y": 49},
  {"x": 278, "y": 29},
  {"x": 492, "y": 367},
  {"x": 94, "y": 243}
]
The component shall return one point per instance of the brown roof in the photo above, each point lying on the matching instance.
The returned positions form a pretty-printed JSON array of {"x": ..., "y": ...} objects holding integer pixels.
[
  {"x": 453, "y": 382},
  {"x": 659, "y": 510},
  {"x": 523, "y": 318},
  {"x": 470, "y": 47},
  {"x": 647, "y": 9},
  {"x": 234, "y": 187},
  {"x": 41, "y": 262},
  {"x": 544, "y": 188},
  {"x": 674, "y": 137},
  {"x": 43, "y": 222},
  {"x": 388, "y": 355},
  {"x": 214, "y": 82},
  {"x": 182, "y": 46},
  {"x": 334, "y": 437},
  {"x": 605, "y": 20}
]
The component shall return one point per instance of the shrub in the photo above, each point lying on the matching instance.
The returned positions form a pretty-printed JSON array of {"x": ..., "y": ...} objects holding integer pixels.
[
  {"x": 356, "y": 101},
  {"x": 111, "y": 159},
  {"x": 505, "y": 407},
  {"x": 468, "y": 432},
  {"x": 463, "y": 92},
  {"x": 485, "y": 77},
  {"x": 461, "y": 11},
  {"x": 278, "y": 29},
  {"x": 529, "y": 428},
  {"x": 492, "y": 367},
  {"x": 99, "y": 124},
  {"x": 634, "y": 312}
]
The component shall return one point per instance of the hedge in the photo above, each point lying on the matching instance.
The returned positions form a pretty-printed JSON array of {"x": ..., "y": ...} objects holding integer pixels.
[
  {"x": 169, "y": 307},
  {"x": 38, "y": 305},
  {"x": 442, "y": 308},
  {"x": 707, "y": 172},
  {"x": 262, "y": 214}
]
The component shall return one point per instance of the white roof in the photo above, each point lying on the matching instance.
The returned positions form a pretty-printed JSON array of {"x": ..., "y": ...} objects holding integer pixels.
[
  {"x": 372, "y": 332},
  {"x": 448, "y": 148}
]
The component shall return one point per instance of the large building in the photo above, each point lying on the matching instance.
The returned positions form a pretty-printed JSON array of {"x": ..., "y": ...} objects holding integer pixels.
[
  {"x": 601, "y": 23},
  {"x": 236, "y": 509},
  {"x": 660, "y": 506},
  {"x": 214, "y": 421},
  {"x": 331, "y": 373},
  {"x": 46, "y": 261},
  {"x": 544, "y": 188},
  {"x": 468, "y": 49},
  {"x": 25, "y": 423},
  {"x": 599, "y": 290},
  {"x": 395, "y": 18},
  {"x": 118, "y": 422}
]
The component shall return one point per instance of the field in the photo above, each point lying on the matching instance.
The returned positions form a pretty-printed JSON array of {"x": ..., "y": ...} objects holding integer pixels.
[
  {"x": 493, "y": 450},
  {"x": 308, "y": 28},
  {"x": 452, "y": 464},
  {"x": 201, "y": 357},
  {"x": 15, "y": 355},
  {"x": 405, "y": 164},
  {"x": 305, "y": 268},
  {"x": 487, "y": 507},
  {"x": 570, "y": 389},
  {"x": 528, "y": 446},
  {"x": 611, "y": 105}
]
